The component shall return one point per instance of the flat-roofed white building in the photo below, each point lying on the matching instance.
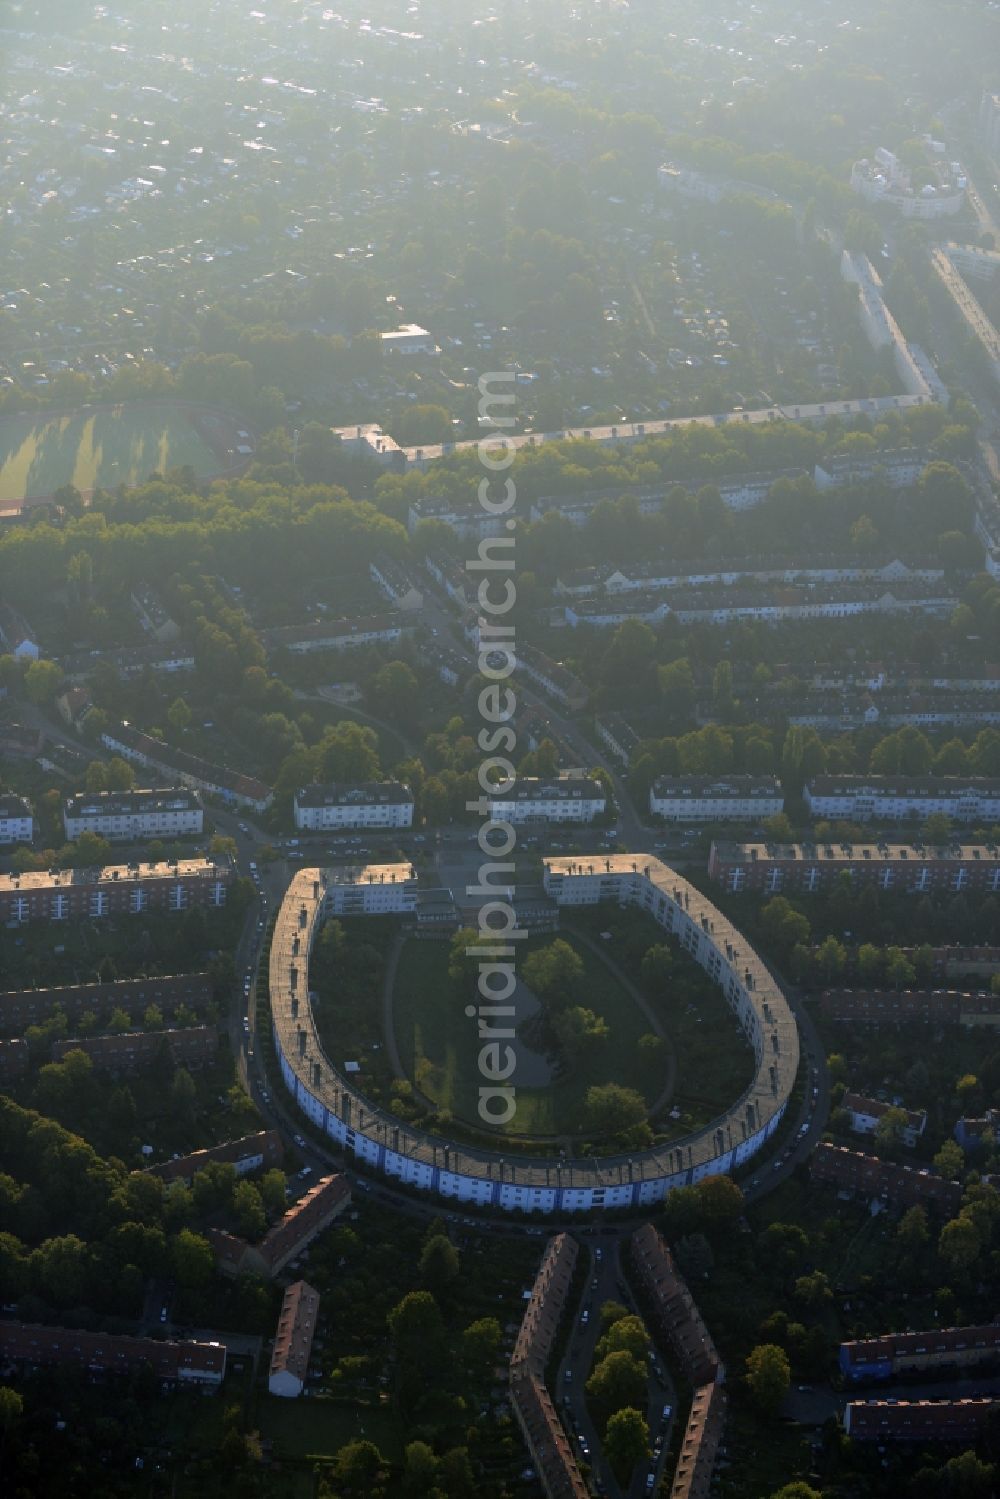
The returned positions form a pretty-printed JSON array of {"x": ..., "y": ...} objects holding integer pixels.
[
  {"x": 371, "y": 804},
  {"x": 170, "y": 812},
  {"x": 897, "y": 798},
  {"x": 715, "y": 799},
  {"x": 396, "y": 583},
  {"x": 409, "y": 338},
  {"x": 568, "y": 799},
  {"x": 371, "y": 890},
  {"x": 17, "y": 824}
]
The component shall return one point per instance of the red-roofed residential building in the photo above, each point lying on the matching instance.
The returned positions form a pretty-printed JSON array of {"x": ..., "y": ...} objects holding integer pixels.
[
  {"x": 176, "y": 1363},
  {"x": 288, "y": 1237},
  {"x": 249, "y": 1153},
  {"x": 293, "y": 1340},
  {"x": 897, "y": 1186}
]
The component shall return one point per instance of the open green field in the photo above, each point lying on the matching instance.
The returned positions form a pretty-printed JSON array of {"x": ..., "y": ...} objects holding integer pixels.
[
  {"x": 101, "y": 448},
  {"x": 439, "y": 1046},
  {"x": 319, "y": 1428}
]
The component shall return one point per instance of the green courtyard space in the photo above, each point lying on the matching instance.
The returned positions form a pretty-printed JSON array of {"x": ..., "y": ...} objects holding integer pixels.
[
  {"x": 319, "y": 1427},
  {"x": 439, "y": 1044},
  {"x": 104, "y": 447}
]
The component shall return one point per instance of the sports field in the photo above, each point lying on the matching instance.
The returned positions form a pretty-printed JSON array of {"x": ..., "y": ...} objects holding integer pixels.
[{"x": 101, "y": 448}]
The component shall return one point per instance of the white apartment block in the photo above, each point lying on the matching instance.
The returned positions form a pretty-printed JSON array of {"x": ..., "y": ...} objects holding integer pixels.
[
  {"x": 374, "y": 804},
  {"x": 371, "y": 890},
  {"x": 17, "y": 825},
  {"x": 170, "y": 813},
  {"x": 897, "y": 798},
  {"x": 865, "y": 1114},
  {"x": 395, "y": 583},
  {"x": 708, "y": 799},
  {"x": 569, "y": 799}
]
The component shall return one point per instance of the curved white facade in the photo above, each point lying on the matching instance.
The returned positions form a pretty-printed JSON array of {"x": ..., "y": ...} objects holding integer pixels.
[{"x": 526, "y": 1183}]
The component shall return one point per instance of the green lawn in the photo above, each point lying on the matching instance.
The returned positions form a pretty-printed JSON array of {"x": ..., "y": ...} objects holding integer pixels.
[
  {"x": 439, "y": 1046},
  {"x": 100, "y": 448},
  {"x": 308, "y": 1427}
]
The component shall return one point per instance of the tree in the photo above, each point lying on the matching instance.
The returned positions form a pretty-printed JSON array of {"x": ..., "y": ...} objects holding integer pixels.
[
  {"x": 950, "y": 1160},
  {"x": 967, "y": 1091},
  {"x": 889, "y": 1131},
  {"x": 395, "y": 691},
  {"x": 870, "y": 962},
  {"x": 357, "y": 1467},
  {"x": 120, "y": 774},
  {"x": 272, "y": 1191},
  {"x": 813, "y": 1290},
  {"x": 911, "y": 1235},
  {"x": 797, "y": 1490},
  {"x": 966, "y": 1477},
  {"x": 554, "y": 973},
  {"x": 481, "y": 1342},
  {"x": 11, "y": 1409},
  {"x": 778, "y": 828},
  {"x": 657, "y": 967},
  {"x": 420, "y": 1468},
  {"x": 831, "y": 959},
  {"x": 899, "y": 971},
  {"x": 95, "y": 777},
  {"x": 249, "y": 1210},
  {"x": 192, "y": 1258},
  {"x": 578, "y": 1029},
  {"x": 783, "y": 926},
  {"x": 439, "y": 1263},
  {"x": 415, "y": 1324},
  {"x": 768, "y": 1377},
  {"x": 121, "y": 1112},
  {"x": 626, "y": 1441},
  {"x": 60, "y": 1268},
  {"x": 625, "y": 1334},
  {"x": 619, "y": 1380},
  {"x": 610, "y": 1109},
  {"x": 937, "y": 830},
  {"x": 42, "y": 681},
  {"x": 183, "y": 1094},
  {"x": 179, "y": 715},
  {"x": 959, "y": 1245},
  {"x": 721, "y": 1202},
  {"x": 694, "y": 1256}
]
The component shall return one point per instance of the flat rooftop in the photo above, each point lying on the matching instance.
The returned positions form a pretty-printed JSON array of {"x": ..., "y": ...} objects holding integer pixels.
[
  {"x": 48, "y": 879},
  {"x": 854, "y": 853}
]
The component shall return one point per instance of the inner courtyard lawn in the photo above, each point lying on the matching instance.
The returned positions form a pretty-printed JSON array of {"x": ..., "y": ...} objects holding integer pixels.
[{"x": 439, "y": 1046}]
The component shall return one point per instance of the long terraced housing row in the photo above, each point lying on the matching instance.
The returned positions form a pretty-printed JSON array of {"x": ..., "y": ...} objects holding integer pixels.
[{"x": 382, "y": 1142}]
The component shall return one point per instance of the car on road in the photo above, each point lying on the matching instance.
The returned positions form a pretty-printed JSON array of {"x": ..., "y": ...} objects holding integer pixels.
[
  {"x": 299, "y": 1141},
  {"x": 568, "y": 1376},
  {"x": 584, "y": 1317},
  {"x": 651, "y": 1480},
  {"x": 668, "y": 1411}
]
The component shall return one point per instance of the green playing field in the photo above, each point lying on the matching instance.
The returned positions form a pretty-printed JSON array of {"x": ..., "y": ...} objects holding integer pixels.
[{"x": 101, "y": 448}]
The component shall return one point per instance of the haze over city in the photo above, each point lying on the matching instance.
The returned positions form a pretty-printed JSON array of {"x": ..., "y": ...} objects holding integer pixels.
[{"x": 500, "y": 749}]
